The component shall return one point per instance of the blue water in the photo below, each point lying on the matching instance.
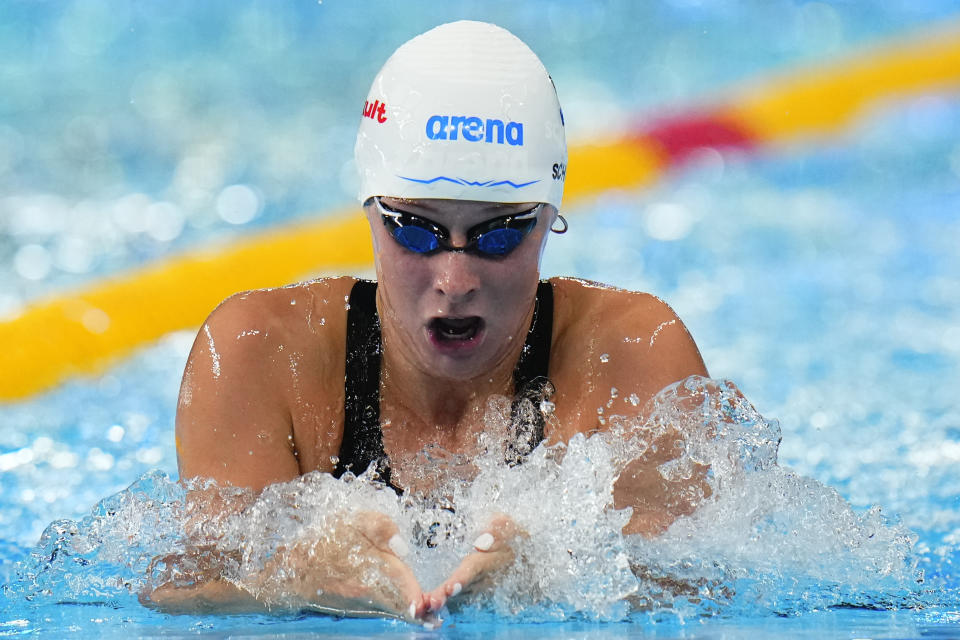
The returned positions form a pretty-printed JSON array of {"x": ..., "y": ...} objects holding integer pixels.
[{"x": 822, "y": 277}]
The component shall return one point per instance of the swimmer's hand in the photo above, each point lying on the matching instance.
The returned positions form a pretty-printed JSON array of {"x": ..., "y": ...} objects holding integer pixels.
[
  {"x": 493, "y": 551},
  {"x": 358, "y": 571}
]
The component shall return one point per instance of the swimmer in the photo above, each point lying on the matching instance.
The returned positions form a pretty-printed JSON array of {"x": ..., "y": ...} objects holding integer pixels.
[{"x": 462, "y": 159}]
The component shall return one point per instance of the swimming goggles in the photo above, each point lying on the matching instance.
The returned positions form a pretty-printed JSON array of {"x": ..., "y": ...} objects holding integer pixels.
[{"x": 490, "y": 239}]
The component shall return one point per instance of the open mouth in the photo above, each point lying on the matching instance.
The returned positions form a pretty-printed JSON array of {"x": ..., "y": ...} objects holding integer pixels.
[{"x": 455, "y": 330}]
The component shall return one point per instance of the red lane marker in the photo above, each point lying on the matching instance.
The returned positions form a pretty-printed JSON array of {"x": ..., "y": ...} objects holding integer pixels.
[{"x": 679, "y": 137}]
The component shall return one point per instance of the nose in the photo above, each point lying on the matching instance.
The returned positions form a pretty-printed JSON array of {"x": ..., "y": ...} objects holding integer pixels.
[{"x": 456, "y": 276}]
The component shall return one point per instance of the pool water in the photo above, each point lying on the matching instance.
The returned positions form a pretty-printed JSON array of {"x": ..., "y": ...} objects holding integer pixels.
[{"x": 821, "y": 277}]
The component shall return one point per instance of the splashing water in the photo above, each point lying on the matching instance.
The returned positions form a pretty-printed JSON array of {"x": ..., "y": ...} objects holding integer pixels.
[{"x": 751, "y": 537}]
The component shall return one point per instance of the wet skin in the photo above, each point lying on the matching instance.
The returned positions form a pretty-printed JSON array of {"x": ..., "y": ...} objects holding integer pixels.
[{"x": 262, "y": 395}]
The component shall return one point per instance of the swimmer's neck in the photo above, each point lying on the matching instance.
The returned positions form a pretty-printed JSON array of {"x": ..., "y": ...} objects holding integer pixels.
[{"x": 428, "y": 405}]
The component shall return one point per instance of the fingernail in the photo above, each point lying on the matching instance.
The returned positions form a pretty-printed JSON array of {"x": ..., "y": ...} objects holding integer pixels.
[
  {"x": 413, "y": 610},
  {"x": 483, "y": 542},
  {"x": 398, "y": 546},
  {"x": 429, "y": 626},
  {"x": 457, "y": 588}
]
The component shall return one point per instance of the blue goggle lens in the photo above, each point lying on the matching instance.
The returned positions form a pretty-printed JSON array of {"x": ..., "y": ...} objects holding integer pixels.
[
  {"x": 494, "y": 238},
  {"x": 499, "y": 241},
  {"x": 416, "y": 239}
]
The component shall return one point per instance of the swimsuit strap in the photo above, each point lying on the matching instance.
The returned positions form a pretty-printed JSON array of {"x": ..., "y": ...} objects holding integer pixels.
[
  {"x": 362, "y": 442},
  {"x": 362, "y": 439},
  {"x": 534, "y": 360},
  {"x": 531, "y": 386}
]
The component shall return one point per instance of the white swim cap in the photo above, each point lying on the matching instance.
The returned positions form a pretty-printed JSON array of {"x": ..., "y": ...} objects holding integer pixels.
[{"x": 464, "y": 111}]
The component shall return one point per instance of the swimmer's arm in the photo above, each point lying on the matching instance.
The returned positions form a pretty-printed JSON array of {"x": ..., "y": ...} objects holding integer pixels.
[
  {"x": 310, "y": 575},
  {"x": 232, "y": 428},
  {"x": 218, "y": 596},
  {"x": 657, "y": 501},
  {"x": 233, "y": 425},
  {"x": 652, "y": 341}
]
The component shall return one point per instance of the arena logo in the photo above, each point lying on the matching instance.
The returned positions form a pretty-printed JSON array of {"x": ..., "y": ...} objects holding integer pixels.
[{"x": 473, "y": 129}]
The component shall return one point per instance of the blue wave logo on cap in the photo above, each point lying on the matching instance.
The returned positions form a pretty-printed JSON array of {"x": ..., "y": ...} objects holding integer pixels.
[
  {"x": 472, "y": 183},
  {"x": 474, "y": 129}
]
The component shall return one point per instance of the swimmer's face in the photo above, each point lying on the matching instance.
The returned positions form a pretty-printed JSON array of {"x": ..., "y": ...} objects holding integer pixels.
[{"x": 456, "y": 314}]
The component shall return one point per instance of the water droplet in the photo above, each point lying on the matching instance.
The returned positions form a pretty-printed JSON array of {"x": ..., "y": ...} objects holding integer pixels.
[
  {"x": 634, "y": 399},
  {"x": 614, "y": 392},
  {"x": 604, "y": 358}
]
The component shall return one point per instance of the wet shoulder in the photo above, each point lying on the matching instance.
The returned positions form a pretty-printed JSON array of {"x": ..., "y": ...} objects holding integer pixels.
[
  {"x": 305, "y": 321},
  {"x": 612, "y": 346},
  {"x": 586, "y": 309}
]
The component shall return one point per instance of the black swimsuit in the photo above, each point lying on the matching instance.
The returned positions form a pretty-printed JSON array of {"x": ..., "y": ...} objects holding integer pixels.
[{"x": 362, "y": 437}]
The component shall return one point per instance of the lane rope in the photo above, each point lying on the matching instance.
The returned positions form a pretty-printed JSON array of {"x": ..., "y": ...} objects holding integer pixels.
[{"x": 86, "y": 331}]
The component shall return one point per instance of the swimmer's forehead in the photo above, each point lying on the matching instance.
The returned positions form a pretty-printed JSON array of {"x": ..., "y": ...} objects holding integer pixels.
[{"x": 441, "y": 206}]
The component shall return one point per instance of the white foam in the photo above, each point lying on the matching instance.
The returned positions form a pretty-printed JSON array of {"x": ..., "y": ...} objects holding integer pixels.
[{"x": 761, "y": 539}]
